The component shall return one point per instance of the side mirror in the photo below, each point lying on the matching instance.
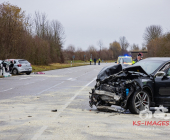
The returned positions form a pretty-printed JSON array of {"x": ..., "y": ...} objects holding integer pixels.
[
  {"x": 115, "y": 61},
  {"x": 160, "y": 74}
]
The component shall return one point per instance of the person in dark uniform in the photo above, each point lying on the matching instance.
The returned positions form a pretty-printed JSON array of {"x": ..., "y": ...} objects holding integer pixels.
[
  {"x": 11, "y": 66},
  {"x": 94, "y": 61},
  {"x": 138, "y": 58},
  {"x": 5, "y": 65}
]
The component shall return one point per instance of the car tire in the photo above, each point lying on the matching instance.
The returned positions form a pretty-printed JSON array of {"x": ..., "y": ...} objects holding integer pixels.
[
  {"x": 15, "y": 71},
  {"x": 138, "y": 101},
  {"x": 28, "y": 73}
]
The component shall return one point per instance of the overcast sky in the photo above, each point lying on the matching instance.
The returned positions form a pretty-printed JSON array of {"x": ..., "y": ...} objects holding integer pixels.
[{"x": 86, "y": 22}]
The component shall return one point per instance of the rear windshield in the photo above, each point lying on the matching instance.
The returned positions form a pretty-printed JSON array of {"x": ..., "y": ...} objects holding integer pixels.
[
  {"x": 23, "y": 61},
  {"x": 125, "y": 60}
]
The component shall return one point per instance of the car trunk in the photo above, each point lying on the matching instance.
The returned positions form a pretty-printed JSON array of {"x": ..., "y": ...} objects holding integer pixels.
[{"x": 25, "y": 64}]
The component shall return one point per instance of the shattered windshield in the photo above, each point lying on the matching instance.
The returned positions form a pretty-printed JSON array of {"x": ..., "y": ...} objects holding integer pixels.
[{"x": 149, "y": 65}]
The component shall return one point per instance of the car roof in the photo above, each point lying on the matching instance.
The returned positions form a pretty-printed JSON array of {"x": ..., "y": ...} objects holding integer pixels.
[
  {"x": 165, "y": 59},
  {"x": 14, "y": 59},
  {"x": 124, "y": 56}
]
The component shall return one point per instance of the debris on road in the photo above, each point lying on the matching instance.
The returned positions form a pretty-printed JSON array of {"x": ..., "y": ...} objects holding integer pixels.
[
  {"x": 39, "y": 73},
  {"x": 54, "y": 110},
  {"x": 110, "y": 109},
  {"x": 29, "y": 116}
]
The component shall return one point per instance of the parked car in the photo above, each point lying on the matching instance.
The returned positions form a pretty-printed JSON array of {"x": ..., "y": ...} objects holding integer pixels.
[
  {"x": 136, "y": 87},
  {"x": 20, "y": 66}
]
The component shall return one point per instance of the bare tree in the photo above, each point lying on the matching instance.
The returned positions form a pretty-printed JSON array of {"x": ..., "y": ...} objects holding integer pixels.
[
  {"x": 41, "y": 23},
  {"x": 115, "y": 48},
  {"x": 70, "y": 51},
  {"x": 92, "y": 51},
  {"x": 100, "y": 44},
  {"x": 124, "y": 43},
  {"x": 135, "y": 47},
  {"x": 152, "y": 32}
]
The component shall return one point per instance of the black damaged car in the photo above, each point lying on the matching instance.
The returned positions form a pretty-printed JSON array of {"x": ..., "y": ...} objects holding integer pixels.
[{"x": 144, "y": 84}]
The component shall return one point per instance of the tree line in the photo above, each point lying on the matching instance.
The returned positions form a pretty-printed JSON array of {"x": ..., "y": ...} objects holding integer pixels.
[
  {"x": 157, "y": 42},
  {"x": 40, "y": 41},
  {"x": 106, "y": 53},
  {"x": 36, "y": 39}
]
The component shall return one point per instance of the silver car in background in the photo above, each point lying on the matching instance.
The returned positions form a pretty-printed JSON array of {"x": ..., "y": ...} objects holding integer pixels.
[{"x": 20, "y": 66}]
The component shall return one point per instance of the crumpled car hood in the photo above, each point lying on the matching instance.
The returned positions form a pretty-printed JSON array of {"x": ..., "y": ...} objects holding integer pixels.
[
  {"x": 107, "y": 71},
  {"x": 135, "y": 69},
  {"x": 110, "y": 70}
]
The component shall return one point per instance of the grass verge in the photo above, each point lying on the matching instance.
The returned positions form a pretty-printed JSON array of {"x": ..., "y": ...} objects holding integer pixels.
[{"x": 37, "y": 68}]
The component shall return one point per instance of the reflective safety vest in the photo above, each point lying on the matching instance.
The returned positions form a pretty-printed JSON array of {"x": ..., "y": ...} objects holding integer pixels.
[
  {"x": 99, "y": 59},
  {"x": 90, "y": 59},
  {"x": 133, "y": 62}
]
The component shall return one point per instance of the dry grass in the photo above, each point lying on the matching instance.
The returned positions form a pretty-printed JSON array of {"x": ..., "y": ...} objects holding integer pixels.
[{"x": 37, "y": 68}]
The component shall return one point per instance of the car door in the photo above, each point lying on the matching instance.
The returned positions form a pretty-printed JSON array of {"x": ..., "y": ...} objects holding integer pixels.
[{"x": 162, "y": 87}]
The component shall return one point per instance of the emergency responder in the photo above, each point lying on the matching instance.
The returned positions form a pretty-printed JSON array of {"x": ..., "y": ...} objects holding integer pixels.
[
  {"x": 99, "y": 61},
  {"x": 94, "y": 61},
  {"x": 90, "y": 61},
  {"x": 138, "y": 58},
  {"x": 11, "y": 66},
  {"x": 1, "y": 69}
]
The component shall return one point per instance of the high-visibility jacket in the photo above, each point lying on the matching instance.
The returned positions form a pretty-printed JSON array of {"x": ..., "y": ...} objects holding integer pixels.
[
  {"x": 90, "y": 59},
  {"x": 133, "y": 62},
  {"x": 99, "y": 59}
]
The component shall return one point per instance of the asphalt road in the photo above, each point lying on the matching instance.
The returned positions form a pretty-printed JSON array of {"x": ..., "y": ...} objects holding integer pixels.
[{"x": 26, "y": 104}]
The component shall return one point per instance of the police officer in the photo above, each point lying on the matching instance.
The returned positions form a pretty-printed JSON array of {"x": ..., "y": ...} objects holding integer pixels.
[
  {"x": 94, "y": 61},
  {"x": 138, "y": 58},
  {"x": 90, "y": 61},
  {"x": 99, "y": 61}
]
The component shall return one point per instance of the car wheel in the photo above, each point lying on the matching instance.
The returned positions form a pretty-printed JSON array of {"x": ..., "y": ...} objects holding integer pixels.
[
  {"x": 28, "y": 73},
  {"x": 15, "y": 71},
  {"x": 139, "y": 101}
]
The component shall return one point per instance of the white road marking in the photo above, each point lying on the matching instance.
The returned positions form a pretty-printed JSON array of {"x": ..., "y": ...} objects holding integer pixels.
[
  {"x": 43, "y": 128},
  {"x": 49, "y": 88},
  {"x": 66, "y": 105},
  {"x": 24, "y": 78},
  {"x": 29, "y": 83},
  {"x": 6, "y": 90},
  {"x": 39, "y": 133},
  {"x": 71, "y": 79}
]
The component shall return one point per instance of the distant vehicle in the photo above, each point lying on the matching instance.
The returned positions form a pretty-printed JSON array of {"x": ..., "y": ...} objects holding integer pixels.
[
  {"x": 20, "y": 66},
  {"x": 124, "y": 60}
]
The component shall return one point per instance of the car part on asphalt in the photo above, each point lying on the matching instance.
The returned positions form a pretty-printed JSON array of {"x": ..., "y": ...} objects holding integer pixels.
[{"x": 39, "y": 73}]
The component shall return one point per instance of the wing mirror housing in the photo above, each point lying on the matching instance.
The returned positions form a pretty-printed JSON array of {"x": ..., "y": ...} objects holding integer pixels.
[{"x": 160, "y": 74}]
